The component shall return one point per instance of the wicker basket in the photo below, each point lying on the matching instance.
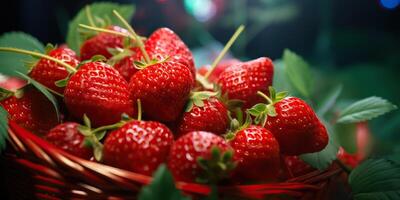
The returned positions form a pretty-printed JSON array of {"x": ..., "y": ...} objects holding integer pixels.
[{"x": 54, "y": 174}]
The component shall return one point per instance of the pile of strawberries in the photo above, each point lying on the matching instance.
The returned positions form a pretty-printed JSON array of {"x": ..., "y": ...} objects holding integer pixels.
[{"x": 150, "y": 107}]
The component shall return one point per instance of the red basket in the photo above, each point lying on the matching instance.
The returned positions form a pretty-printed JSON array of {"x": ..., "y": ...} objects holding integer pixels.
[{"x": 56, "y": 174}]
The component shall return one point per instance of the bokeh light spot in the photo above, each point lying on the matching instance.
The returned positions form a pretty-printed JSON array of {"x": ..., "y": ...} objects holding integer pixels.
[{"x": 390, "y": 4}]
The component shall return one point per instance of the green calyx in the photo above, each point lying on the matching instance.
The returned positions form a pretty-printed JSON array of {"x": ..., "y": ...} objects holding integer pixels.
[
  {"x": 4, "y": 93},
  {"x": 218, "y": 167},
  {"x": 237, "y": 124},
  {"x": 261, "y": 111},
  {"x": 197, "y": 98},
  {"x": 141, "y": 64}
]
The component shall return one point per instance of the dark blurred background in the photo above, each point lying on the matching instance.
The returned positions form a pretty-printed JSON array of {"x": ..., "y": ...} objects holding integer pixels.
[{"x": 352, "y": 42}]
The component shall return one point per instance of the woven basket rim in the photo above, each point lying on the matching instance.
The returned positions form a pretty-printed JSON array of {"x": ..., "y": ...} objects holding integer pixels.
[{"x": 63, "y": 166}]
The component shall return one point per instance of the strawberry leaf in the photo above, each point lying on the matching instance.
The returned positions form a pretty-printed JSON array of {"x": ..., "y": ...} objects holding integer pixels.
[
  {"x": 162, "y": 187},
  {"x": 102, "y": 13},
  {"x": 329, "y": 101},
  {"x": 3, "y": 128},
  {"x": 44, "y": 91},
  {"x": 321, "y": 160},
  {"x": 365, "y": 109},
  {"x": 376, "y": 179},
  {"x": 299, "y": 73},
  {"x": 12, "y": 62}
]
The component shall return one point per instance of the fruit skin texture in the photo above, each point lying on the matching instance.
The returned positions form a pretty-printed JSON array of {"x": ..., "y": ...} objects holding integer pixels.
[
  {"x": 32, "y": 111},
  {"x": 243, "y": 80},
  {"x": 212, "y": 117},
  {"x": 100, "y": 43},
  {"x": 218, "y": 69},
  {"x": 138, "y": 146},
  {"x": 297, "y": 127},
  {"x": 164, "y": 43},
  {"x": 48, "y": 72},
  {"x": 257, "y": 154},
  {"x": 126, "y": 66},
  {"x": 163, "y": 90},
  {"x": 67, "y": 137},
  {"x": 184, "y": 153},
  {"x": 98, "y": 91}
]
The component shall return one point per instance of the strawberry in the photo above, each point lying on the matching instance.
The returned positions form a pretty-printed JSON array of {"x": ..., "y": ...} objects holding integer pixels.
[
  {"x": 211, "y": 117},
  {"x": 11, "y": 83},
  {"x": 201, "y": 156},
  {"x": 218, "y": 69},
  {"x": 163, "y": 89},
  {"x": 27, "y": 111},
  {"x": 68, "y": 137},
  {"x": 48, "y": 72},
  {"x": 98, "y": 91},
  {"x": 138, "y": 146},
  {"x": 126, "y": 67},
  {"x": 256, "y": 153},
  {"x": 101, "y": 43},
  {"x": 243, "y": 80},
  {"x": 164, "y": 43},
  {"x": 296, "y": 167},
  {"x": 293, "y": 123}
]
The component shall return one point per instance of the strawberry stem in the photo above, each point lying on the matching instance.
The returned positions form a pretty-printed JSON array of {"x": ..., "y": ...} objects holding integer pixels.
[
  {"x": 139, "y": 106},
  {"x": 89, "y": 16},
  {"x": 68, "y": 67},
  {"x": 133, "y": 33},
  {"x": 105, "y": 31},
  {"x": 265, "y": 97},
  {"x": 223, "y": 52}
]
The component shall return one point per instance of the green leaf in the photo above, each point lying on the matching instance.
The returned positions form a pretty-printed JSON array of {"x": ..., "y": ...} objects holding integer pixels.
[
  {"x": 3, "y": 128},
  {"x": 298, "y": 72},
  {"x": 376, "y": 179},
  {"x": 162, "y": 187},
  {"x": 329, "y": 101},
  {"x": 44, "y": 91},
  {"x": 365, "y": 109},
  {"x": 13, "y": 62},
  {"x": 102, "y": 10},
  {"x": 347, "y": 137},
  {"x": 62, "y": 82},
  {"x": 321, "y": 160}
]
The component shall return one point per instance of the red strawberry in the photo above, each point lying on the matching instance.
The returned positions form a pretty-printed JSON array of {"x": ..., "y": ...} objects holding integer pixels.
[
  {"x": 296, "y": 167},
  {"x": 165, "y": 43},
  {"x": 11, "y": 83},
  {"x": 126, "y": 67},
  {"x": 48, "y": 72},
  {"x": 257, "y": 154},
  {"x": 163, "y": 89},
  {"x": 297, "y": 127},
  {"x": 218, "y": 69},
  {"x": 243, "y": 80},
  {"x": 28, "y": 111},
  {"x": 211, "y": 117},
  {"x": 100, "y": 43},
  {"x": 138, "y": 146},
  {"x": 67, "y": 137},
  {"x": 98, "y": 91},
  {"x": 197, "y": 150}
]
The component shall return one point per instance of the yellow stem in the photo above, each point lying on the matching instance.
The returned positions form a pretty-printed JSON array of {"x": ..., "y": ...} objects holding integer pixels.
[
  {"x": 133, "y": 33},
  {"x": 139, "y": 106},
  {"x": 105, "y": 31},
  {"x": 223, "y": 52},
  {"x": 68, "y": 67}
]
